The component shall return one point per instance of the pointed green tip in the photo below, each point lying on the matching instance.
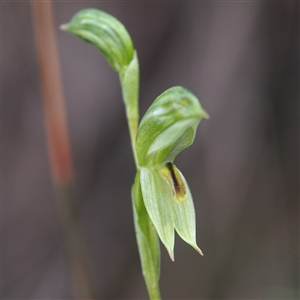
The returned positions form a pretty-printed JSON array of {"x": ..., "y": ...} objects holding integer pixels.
[
  {"x": 205, "y": 115},
  {"x": 198, "y": 250},
  {"x": 171, "y": 254},
  {"x": 63, "y": 27}
]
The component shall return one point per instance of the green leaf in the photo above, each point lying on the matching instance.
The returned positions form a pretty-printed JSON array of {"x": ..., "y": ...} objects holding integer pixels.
[
  {"x": 148, "y": 243},
  {"x": 168, "y": 126},
  {"x": 105, "y": 32}
]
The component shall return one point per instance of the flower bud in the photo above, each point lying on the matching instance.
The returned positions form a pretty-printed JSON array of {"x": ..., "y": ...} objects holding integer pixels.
[{"x": 105, "y": 32}]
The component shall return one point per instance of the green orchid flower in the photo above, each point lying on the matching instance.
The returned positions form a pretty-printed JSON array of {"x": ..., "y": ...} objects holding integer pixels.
[{"x": 166, "y": 129}]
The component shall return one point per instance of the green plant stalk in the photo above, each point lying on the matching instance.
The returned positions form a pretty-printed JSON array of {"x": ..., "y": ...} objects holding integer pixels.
[
  {"x": 112, "y": 39},
  {"x": 129, "y": 81},
  {"x": 147, "y": 240}
]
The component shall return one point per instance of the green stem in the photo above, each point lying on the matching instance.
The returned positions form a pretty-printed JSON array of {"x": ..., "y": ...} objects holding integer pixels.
[
  {"x": 146, "y": 235},
  {"x": 154, "y": 293},
  {"x": 132, "y": 125},
  {"x": 129, "y": 79}
]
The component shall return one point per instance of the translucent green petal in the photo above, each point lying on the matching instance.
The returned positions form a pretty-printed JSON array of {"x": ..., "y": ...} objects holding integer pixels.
[
  {"x": 171, "y": 134},
  {"x": 158, "y": 199},
  {"x": 183, "y": 142},
  {"x": 185, "y": 218}
]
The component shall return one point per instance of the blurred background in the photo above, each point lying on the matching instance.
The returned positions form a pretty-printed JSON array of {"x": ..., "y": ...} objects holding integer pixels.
[{"x": 242, "y": 60}]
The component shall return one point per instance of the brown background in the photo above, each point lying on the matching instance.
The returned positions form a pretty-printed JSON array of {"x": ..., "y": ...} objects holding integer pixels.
[{"x": 242, "y": 60}]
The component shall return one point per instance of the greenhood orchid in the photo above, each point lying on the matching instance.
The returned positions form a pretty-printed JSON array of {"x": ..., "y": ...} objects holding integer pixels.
[{"x": 161, "y": 198}]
